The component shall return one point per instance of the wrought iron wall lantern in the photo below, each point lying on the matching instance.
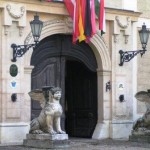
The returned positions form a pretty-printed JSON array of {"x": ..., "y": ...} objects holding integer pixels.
[
  {"x": 36, "y": 28},
  {"x": 126, "y": 56}
]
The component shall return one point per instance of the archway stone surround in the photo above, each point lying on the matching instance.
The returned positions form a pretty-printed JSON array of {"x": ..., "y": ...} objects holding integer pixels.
[{"x": 101, "y": 52}]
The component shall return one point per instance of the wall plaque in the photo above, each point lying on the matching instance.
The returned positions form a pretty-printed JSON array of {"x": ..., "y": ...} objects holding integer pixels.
[{"x": 13, "y": 70}]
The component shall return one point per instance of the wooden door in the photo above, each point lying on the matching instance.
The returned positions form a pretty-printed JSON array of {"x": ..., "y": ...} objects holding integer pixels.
[
  {"x": 81, "y": 100},
  {"x": 49, "y": 72},
  {"x": 72, "y": 67}
]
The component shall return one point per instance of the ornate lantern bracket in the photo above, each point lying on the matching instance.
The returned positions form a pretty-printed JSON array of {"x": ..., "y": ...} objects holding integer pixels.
[
  {"x": 20, "y": 50},
  {"x": 126, "y": 56}
]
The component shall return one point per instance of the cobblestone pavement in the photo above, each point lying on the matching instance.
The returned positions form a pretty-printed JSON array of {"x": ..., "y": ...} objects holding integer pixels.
[{"x": 89, "y": 144}]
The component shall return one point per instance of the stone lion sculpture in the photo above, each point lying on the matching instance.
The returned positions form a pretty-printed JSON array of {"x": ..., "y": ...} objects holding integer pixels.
[
  {"x": 49, "y": 118},
  {"x": 142, "y": 125}
]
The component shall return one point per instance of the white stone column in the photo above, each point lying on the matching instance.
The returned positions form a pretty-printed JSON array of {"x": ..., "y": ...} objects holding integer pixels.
[
  {"x": 27, "y": 88},
  {"x": 104, "y": 106},
  {"x": 134, "y": 72}
]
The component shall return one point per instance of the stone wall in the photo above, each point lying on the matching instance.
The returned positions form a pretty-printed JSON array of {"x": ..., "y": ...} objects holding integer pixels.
[
  {"x": 144, "y": 7},
  {"x": 113, "y": 4},
  {"x": 122, "y": 4},
  {"x": 143, "y": 75},
  {"x": 143, "y": 65}
]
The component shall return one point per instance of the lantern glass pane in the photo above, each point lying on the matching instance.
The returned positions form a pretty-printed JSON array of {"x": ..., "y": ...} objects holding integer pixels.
[
  {"x": 36, "y": 28},
  {"x": 144, "y": 36}
]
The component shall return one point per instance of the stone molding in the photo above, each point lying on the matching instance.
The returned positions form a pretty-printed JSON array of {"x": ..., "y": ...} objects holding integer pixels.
[
  {"x": 116, "y": 38},
  {"x": 126, "y": 39},
  {"x": 16, "y": 124},
  {"x": 111, "y": 14},
  {"x": 12, "y": 14},
  {"x": 15, "y": 132},
  {"x": 103, "y": 72},
  {"x": 6, "y": 29},
  {"x": 121, "y": 24},
  {"x": 122, "y": 20},
  {"x": 101, "y": 50},
  {"x": 28, "y": 69},
  {"x": 124, "y": 23}
]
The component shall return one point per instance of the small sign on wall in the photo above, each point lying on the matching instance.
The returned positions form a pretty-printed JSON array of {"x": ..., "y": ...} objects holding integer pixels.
[
  {"x": 13, "y": 84},
  {"x": 13, "y": 70},
  {"x": 121, "y": 86}
]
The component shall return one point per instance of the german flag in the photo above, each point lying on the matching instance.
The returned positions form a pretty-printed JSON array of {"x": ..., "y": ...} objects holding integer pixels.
[{"x": 82, "y": 13}]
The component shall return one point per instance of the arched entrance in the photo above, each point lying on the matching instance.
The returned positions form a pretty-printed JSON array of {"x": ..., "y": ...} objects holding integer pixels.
[
  {"x": 57, "y": 62},
  {"x": 81, "y": 99}
]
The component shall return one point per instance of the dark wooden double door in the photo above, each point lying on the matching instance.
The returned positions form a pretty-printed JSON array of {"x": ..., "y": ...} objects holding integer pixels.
[{"x": 58, "y": 64}]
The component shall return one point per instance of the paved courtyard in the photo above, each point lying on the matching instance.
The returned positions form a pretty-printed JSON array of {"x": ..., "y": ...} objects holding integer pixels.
[{"x": 89, "y": 144}]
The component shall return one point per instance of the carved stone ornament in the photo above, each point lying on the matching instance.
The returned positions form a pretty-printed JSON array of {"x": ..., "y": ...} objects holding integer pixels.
[
  {"x": 21, "y": 31},
  {"x": 6, "y": 28},
  {"x": 142, "y": 125},
  {"x": 69, "y": 24},
  {"x": 116, "y": 38},
  {"x": 50, "y": 116},
  {"x": 12, "y": 14},
  {"x": 120, "y": 24},
  {"x": 126, "y": 39}
]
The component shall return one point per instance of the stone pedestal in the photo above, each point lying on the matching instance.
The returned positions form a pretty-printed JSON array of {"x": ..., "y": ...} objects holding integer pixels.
[
  {"x": 140, "y": 138},
  {"x": 47, "y": 141}
]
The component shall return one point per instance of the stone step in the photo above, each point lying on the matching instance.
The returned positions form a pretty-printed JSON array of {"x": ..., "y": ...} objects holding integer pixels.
[
  {"x": 44, "y": 141},
  {"x": 140, "y": 138},
  {"x": 47, "y": 136}
]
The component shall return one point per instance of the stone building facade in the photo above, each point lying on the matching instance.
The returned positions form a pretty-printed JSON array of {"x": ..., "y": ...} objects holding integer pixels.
[{"x": 123, "y": 20}]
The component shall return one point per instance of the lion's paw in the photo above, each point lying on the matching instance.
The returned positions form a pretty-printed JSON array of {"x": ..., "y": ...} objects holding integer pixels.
[
  {"x": 61, "y": 132},
  {"x": 51, "y": 132},
  {"x": 37, "y": 132}
]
